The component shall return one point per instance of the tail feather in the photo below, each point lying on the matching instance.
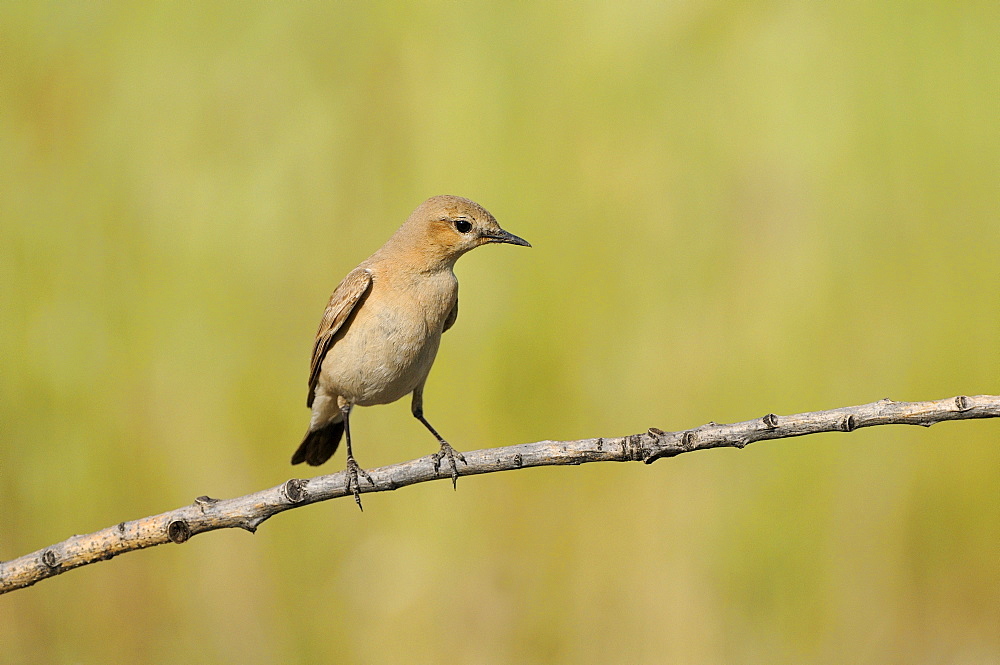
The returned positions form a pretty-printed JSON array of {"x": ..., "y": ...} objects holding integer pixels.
[{"x": 319, "y": 445}]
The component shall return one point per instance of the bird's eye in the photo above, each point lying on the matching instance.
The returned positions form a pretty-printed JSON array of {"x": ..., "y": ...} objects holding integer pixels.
[{"x": 463, "y": 225}]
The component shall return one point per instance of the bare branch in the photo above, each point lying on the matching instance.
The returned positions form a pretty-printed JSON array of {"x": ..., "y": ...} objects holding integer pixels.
[{"x": 248, "y": 512}]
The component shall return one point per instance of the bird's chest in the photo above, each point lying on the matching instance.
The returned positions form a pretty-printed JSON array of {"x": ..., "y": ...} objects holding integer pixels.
[
  {"x": 389, "y": 347},
  {"x": 410, "y": 313}
]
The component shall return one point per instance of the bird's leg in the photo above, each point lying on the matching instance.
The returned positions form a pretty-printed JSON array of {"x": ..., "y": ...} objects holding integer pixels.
[
  {"x": 353, "y": 470},
  {"x": 446, "y": 449}
]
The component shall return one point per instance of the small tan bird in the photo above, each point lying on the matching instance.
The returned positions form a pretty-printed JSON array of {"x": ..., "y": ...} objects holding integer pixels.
[{"x": 383, "y": 324}]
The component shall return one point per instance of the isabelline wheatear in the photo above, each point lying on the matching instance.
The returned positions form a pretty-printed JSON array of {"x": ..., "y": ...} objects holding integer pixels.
[{"x": 383, "y": 324}]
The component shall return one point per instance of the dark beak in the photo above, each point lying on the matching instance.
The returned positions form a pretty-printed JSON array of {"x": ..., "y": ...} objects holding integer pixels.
[{"x": 505, "y": 237}]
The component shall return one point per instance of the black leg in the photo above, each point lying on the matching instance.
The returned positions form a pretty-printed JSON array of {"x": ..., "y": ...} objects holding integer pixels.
[
  {"x": 445, "y": 451},
  {"x": 353, "y": 470}
]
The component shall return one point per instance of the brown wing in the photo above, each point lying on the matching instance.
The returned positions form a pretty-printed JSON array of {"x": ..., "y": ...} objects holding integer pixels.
[
  {"x": 342, "y": 302},
  {"x": 452, "y": 316}
]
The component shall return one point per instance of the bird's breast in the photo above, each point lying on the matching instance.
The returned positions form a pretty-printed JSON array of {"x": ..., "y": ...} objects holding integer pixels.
[{"x": 388, "y": 347}]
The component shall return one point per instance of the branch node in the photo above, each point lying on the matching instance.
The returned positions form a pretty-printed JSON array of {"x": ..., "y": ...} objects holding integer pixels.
[
  {"x": 49, "y": 559},
  {"x": 121, "y": 529},
  {"x": 849, "y": 424},
  {"x": 518, "y": 460},
  {"x": 687, "y": 440},
  {"x": 740, "y": 443},
  {"x": 178, "y": 531},
  {"x": 656, "y": 431},
  {"x": 600, "y": 444},
  {"x": 770, "y": 421},
  {"x": 204, "y": 502},
  {"x": 294, "y": 490},
  {"x": 963, "y": 403}
]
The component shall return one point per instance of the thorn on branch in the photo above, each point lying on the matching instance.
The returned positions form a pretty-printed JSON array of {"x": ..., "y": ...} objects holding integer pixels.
[{"x": 204, "y": 501}]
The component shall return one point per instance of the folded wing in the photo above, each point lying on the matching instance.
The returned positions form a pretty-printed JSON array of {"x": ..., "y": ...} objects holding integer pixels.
[{"x": 343, "y": 301}]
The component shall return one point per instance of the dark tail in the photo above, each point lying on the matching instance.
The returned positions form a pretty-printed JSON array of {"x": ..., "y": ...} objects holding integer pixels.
[{"x": 319, "y": 445}]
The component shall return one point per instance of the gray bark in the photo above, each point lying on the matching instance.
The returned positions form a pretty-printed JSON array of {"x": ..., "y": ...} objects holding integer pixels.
[{"x": 248, "y": 512}]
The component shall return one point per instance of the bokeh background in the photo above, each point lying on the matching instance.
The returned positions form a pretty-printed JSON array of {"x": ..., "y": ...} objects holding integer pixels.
[{"x": 736, "y": 208}]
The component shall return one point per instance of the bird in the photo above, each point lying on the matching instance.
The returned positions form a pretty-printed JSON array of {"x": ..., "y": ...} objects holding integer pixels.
[{"x": 382, "y": 327}]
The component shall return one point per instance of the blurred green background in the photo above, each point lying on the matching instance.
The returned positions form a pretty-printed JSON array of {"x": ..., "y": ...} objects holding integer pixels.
[{"x": 736, "y": 208}]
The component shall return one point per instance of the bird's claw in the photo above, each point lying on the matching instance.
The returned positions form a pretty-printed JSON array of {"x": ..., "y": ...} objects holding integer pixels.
[
  {"x": 354, "y": 475},
  {"x": 451, "y": 454}
]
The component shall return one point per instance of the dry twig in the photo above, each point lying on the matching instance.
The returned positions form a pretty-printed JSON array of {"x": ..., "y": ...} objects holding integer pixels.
[{"x": 248, "y": 512}]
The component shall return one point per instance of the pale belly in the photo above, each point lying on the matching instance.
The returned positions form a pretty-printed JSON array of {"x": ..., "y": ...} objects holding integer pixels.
[{"x": 385, "y": 353}]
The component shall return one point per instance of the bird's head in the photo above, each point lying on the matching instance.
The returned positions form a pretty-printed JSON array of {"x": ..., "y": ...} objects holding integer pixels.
[{"x": 445, "y": 227}]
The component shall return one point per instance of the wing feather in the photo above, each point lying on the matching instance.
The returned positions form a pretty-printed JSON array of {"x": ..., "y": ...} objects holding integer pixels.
[{"x": 347, "y": 294}]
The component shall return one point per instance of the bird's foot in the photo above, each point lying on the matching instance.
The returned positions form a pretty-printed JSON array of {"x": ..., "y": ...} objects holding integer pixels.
[
  {"x": 451, "y": 454},
  {"x": 354, "y": 475}
]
